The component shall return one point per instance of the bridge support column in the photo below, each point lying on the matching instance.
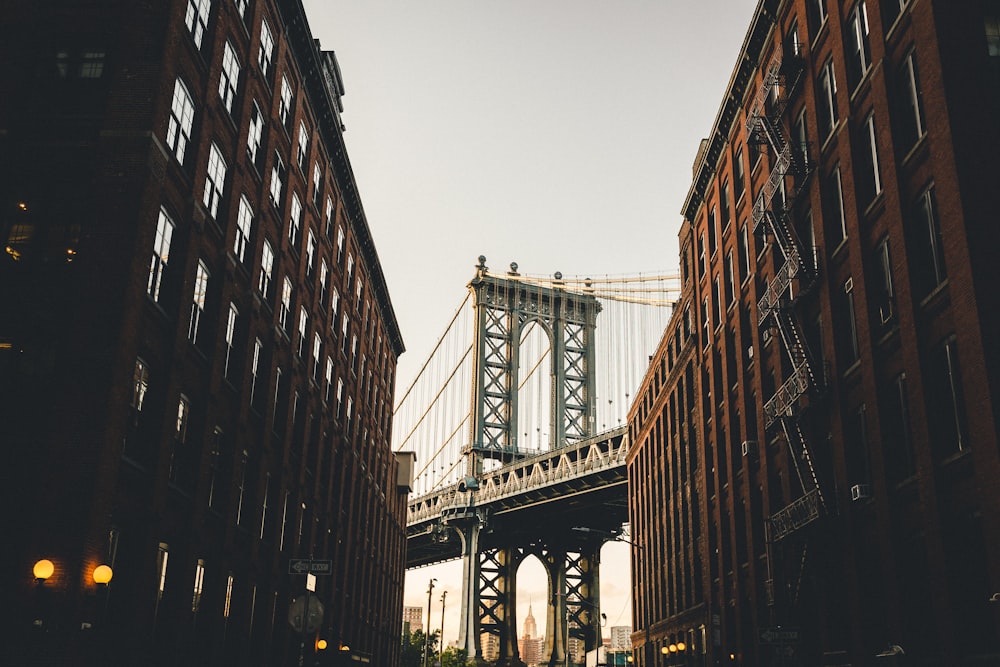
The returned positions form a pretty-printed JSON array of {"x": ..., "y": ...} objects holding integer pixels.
[
  {"x": 498, "y": 599},
  {"x": 468, "y": 525},
  {"x": 554, "y": 654},
  {"x": 584, "y": 595}
]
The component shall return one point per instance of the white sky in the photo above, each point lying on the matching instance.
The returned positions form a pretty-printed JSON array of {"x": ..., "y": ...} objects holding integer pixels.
[{"x": 559, "y": 134}]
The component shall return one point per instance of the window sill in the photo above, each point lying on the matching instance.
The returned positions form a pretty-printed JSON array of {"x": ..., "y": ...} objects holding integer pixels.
[{"x": 921, "y": 146}]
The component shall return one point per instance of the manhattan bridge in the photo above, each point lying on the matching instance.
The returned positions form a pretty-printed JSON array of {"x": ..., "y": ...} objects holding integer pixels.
[{"x": 517, "y": 423}]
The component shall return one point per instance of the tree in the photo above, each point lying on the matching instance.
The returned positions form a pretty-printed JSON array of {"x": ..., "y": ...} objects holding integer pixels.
[
  {"x": 412, "y": 653},
  {"x": 454, "y": 657}
]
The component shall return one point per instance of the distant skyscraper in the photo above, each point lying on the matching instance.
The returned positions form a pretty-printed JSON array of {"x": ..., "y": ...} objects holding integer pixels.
[
  {"x": 528, "y": 646},
  {"x": 415, "y": 617},
  {"x": 621, "y": 637}
]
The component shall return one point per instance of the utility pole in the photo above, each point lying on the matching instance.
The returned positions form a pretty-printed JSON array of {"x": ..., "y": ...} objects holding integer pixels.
[
  {"x": 444, "y": 594},
  {"x": 427, "y": 635}
]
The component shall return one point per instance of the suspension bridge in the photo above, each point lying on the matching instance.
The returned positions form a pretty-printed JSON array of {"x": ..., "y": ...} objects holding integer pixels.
[{"x": 517, "y": 421}]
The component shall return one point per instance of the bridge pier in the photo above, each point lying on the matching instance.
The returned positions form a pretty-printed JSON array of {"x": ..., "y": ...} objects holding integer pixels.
[{"x": 468, "y": 523}]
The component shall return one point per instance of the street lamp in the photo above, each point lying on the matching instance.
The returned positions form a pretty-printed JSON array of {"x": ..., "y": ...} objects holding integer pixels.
[
  {"x": 427, "y": 635},
  {"x": 43, "y": 569}
]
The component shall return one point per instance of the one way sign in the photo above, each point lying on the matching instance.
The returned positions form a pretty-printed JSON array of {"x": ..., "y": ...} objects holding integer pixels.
[
  {"x": 779, "y": 635},
  {"x": 310, "y": 566}
]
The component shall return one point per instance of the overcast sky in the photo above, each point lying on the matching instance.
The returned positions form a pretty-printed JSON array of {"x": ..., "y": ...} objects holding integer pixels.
[{"x": 559, "y": 134}]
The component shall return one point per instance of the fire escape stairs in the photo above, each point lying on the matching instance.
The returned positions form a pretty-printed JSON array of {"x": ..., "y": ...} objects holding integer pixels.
[{"x": 764, "y": 127}]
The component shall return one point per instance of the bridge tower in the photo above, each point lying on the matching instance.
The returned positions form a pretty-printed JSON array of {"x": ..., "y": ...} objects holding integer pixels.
[{"x": 504, "y": 306}]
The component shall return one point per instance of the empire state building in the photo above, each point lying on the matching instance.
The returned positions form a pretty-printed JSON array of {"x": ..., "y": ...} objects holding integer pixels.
[{"x": 529, "y": 646}]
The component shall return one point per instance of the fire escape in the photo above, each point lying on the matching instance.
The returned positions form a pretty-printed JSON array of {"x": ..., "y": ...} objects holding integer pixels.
[{"x": 772, "y": 217}]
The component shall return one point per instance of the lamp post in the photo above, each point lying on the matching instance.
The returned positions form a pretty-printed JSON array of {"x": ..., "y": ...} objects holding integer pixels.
[
  {"x": 444, "y": 594},
  {"x": 427, "y": 635}
]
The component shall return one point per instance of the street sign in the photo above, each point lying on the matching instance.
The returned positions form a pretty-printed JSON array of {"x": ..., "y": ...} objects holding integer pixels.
[
  {"x": 308, "y": 565},
  {"x": 778, "y": 635}
]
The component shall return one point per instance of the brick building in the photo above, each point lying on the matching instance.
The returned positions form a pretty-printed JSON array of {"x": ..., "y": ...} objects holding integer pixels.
[
  {"x": 197, "y": 346},
  {"x": 815, "y": 473}
]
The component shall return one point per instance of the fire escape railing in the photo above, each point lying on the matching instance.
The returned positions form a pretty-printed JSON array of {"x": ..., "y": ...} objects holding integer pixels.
[{"x": 773, "y": 219}]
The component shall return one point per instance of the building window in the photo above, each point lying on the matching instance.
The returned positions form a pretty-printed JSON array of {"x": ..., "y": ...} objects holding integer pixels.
[
  {"x": 244, "y": 224},
  {"x": 834, "y": 205},
  {"x": 712, "y": 222},
  {"x": 215, "y": 181},
  {"x": 317, "y": 355},
  {"x": 744, "y": 252},
  {"x": 162, "y": 556},
  {"x": 266, "y": 53},
  {"x": 303, "y": 145},
  {"x": 91, "y": 64},
  {"x": 891, "y": 10},
  {"x": 849, "y": 331},
  {"x": 310, "y": 254},
  {"x": 161, "y": 253},
  {"x": 294, "y": 220},
  {"x": 285, "y": 102},
  {"x": 701, "y": 255},
  {"x": 328, "y": 380},
  {"x": 826, "y": 100},
  {"x": 350, "y": 270},
  {"x": 816, "y": 15},
  {"x": 910, "y": 112},
  {"x": 241, "y": 488},
  {"x": 739, "y": 174},
  {"x": 266, "y": 266},
  {"x": 196, "y": 19},
  {"x": 343, "y": 333},
  {"x": 856, "y": 449},
  {"x": 230, "y": 336},
  {"x": 255, "y": 134},
  {"x": 229, "y": 77},
  {"x": 800, "y": 142},
  {"x": 199, "y": 581},
  {"x": 140, "y": 384},
  {"x": 705, "y": 319},
  {"x": 946, "y": 413},
  {"x": 303, "y": 330},
  {"x": 340, "y": 397},
  {"x": 178, "y": 470},
  {"x": 277, "y": 180},
  {"x": 885, "y": 296},
  {"x": 198, "y": 301},
  {"x": 255, "y": 370},
  {"x": 329, "y": 218},
  {"x": 895, "y": 413},
  {"x": 334, "y": 304},
  {"x": 227, "y": 604},
  {"x": 869, "y": 179},
  {"x": 929, "y": 268},
  {"x": 265, "y": 505},
  {"x": 181, "y": 118},
  {"x": 726, "y": 205},
  {"x": 717, "y": 296},
  {"x": 858, "y": 54},
  {"x": 340, "y": 244},
  {"x": 241, "y": 7},
  {"x": 317, "y": 189},
  {"x": 286, "y": 304},
  {"x": 216, "y": 491},
  {"x": 324, "y": 278},
  {"x": 284, "y": 521},
  {"x": 730, "y": 279}
]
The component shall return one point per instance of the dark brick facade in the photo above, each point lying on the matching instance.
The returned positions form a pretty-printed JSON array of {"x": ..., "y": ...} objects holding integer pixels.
[
  {"x": 169, "y": 407},
  {"x": 815, "y": 445}
]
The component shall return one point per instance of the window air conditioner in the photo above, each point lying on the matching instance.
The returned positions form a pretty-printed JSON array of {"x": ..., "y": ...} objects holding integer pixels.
[{"x": 861, "y": 492}]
